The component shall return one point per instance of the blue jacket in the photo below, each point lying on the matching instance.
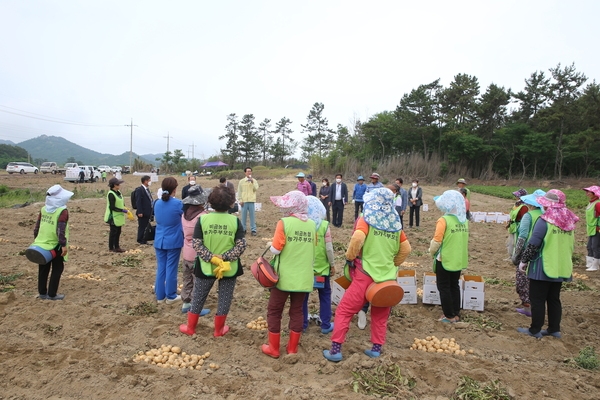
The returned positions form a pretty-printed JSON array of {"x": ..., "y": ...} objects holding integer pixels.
[
  {"x": 169, "y": 230},
  {"x": 359, "y": 191},
  {"x": 404, "y": 195}
]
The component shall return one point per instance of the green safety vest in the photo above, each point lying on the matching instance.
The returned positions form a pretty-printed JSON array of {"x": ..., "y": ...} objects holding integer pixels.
[
  {"x": 219, "y": 230},
  {"x": 535, "y": 214},
  {"x": 514, "y": 226},
  {"x": 47, "y": 237},
  {"x": 378, "y": 254},
  {"x": 455, "y": 245},
  {"x": 591, "y": 221},
  {"x": 557, "y": 252},
  {"x": 294, "y": 264},
  {"x": 321, "y": 266},
  {"x": 118, "y": 217}
]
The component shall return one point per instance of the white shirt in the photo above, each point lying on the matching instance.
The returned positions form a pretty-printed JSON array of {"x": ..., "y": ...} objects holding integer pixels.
[{"x": 338, "y": 191}]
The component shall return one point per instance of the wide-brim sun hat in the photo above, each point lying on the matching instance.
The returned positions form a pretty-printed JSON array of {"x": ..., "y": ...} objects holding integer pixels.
[
  {"x": 375, "y": 175},
  {"x": 594, "y": 189},
  {"x": 300, "y": 175},
  {"x": 520, "y": 193},
  {"x": 554, "y": 198},
  {"x": 115, "y": 181},
  {"x": 56, "y": 197},
  {"x": 461, "y": 180},
  {"x": 197, "y": 196},
  {"x": 532, "y": 199}
]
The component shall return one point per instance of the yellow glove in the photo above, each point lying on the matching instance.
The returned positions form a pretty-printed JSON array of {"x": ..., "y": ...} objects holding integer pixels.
[
  {"x": 130, "y": 215},
  {"x": 222, "y": 267}
]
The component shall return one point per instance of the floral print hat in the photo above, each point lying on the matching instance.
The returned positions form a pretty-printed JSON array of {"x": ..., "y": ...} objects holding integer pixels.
[
  {"x": 452, "y": 202},
  {"x": 379, "y": 210},
  {"x": 316, "y": 210},
  {"x": 292, "y": 203},
  {"x": 556, "y": 211}
]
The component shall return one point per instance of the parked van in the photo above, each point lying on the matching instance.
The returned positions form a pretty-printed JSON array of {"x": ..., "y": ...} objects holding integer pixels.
[{"x": 91, "y": 174}]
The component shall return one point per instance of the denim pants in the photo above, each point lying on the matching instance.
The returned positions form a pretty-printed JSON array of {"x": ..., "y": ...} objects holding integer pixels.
[{"x": 248, "y": 208}]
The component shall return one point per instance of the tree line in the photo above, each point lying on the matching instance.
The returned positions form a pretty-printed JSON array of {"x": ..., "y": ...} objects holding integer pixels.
[{"x": 551, "y": 128}]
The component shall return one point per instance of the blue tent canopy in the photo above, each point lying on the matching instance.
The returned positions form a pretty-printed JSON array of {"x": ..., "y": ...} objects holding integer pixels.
[{"x": 214, "y": 164}]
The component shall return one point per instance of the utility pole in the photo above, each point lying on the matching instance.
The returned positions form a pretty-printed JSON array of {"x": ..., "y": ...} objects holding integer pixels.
[
  {"x": 131, "y": 144},
  {"x": 167, "y": 137},
  {"x": 193, "y": 148}
]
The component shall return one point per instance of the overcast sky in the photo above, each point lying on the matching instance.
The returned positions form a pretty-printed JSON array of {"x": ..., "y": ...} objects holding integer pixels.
[{"x": 178, "y": 68}]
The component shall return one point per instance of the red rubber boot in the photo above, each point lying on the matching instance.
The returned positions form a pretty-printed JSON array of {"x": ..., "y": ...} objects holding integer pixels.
[
  {"x": 190, "y": 327},
  {"x": 272, "y": 349},
  {"x": 220, "y": 327},
  {"x": 292, "y": 346}
]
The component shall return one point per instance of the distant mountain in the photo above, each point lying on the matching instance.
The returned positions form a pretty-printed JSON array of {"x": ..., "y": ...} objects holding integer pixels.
[
  {"x": 152, "y": 157},
  {"x": 58, "y": 149},
  {"x": 7, "y": 142}
]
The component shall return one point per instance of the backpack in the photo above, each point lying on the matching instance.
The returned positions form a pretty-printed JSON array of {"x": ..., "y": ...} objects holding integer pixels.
[{"x": 134, "y": 199}]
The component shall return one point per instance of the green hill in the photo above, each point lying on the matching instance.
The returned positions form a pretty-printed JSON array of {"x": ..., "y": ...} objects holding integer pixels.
[{"x": 58, "y": 149}]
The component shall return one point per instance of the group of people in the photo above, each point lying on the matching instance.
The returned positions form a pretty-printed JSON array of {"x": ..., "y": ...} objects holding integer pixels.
[
  {"x": 335, "y": 196},
  {"x": 213, "y": 242}
]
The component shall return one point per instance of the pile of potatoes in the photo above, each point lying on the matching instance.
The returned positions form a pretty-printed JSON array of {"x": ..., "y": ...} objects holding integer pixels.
[
  {"x": 133, "y": 251},
  {"x": 432, "y": 344},
  {"x": 580, "y": 276},
  {"x": 71, "y": 247},
  {"x": 88, "y": 276},
  {"x": 173, "y": 357},
  {"x": 2, "y": 240},
  {"x": 420, "y": 292},
  {"x": 259, "y": 324},
  {"x": 406, "y": 264}
]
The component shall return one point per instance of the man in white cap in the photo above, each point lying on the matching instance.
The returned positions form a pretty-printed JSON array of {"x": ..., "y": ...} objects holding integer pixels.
[
  {"x": 303, "y": 185},
  {"x": 51, "y": 232},
  {"x": 461, "y": 183}
]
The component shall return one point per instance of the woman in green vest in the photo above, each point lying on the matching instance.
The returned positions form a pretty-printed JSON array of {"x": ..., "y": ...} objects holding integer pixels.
[
  {"x": 51, "y": 232},
  {"x": 548, "y": 259},
  {"x": 523, "y": 234},
  {"x": 294, "y": 245},
  {"x": 219, "y": 242},
  {"x": 450, "y": 250},
  {"x": 592, "y": 222},
  {"x": 515, "y": 215},
  {"x": 323, "y": 266},
  {"x": 115, "y": 213},
  {"x": 381, "y": 246}
]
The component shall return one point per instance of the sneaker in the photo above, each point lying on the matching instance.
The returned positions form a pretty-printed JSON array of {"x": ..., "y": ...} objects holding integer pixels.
[
  {"x": 253, "y": 233},
  {"x": 337, "y": 357},
  {"x": 186, "y": 307},
  {"x": 525, "y": 311},
  {"x": 372, "y": 354},
  {"x": 57, "y": 297},
  {"x": 545, "y": 332},
  {"x": 42, "y": 296},
  {"x": 362, "y": 320},
  {"x": 173, "y": 301},
  {"x": 204, "y": 312},
  {"x": 161, "y": 301},
  {"x": 526, "y": 331},
  {"x": 325, "y": 331}
]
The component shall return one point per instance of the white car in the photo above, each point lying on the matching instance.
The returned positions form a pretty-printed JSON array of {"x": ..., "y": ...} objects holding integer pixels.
[
  {"x": 115, "y": 169},
  {"x": 103, "y": 168},
  {"x": 21, "y": 168}
]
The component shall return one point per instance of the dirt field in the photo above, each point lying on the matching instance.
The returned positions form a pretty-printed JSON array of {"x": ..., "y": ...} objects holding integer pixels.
[{"x": 82, "y": 347}]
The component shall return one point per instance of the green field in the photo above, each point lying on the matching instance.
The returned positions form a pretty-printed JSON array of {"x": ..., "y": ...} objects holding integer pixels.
[{"x": 576, "y": 198}]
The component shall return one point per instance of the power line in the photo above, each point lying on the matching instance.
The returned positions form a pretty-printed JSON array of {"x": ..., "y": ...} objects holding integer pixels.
[
  {"x": 50, "y": 119},
  {"x": 131, "y": 143}
]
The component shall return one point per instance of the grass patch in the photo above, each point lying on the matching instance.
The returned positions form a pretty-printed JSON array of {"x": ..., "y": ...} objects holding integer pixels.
[
  {"x": 7, "y": 280},
  {"x": 382, "y": 381},
  {"x": 337, "y": 246},
  {"x": 498, "y": 281},
  {"x": 398, "y": 313},
  {"x": 576, "y": 285},
  {"x": 417, "y": 253},
  {"x": 18, "y": 196},
  {"x": 482, "y": 321},
  {"x": 130, "y": 261},
  {"x": 576, "y": 198},
  {"x": 470, "y": 389},
  {"x": 587, "y": 359},
  {"x": 144, "y": 308}
]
